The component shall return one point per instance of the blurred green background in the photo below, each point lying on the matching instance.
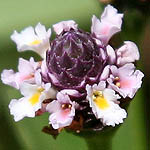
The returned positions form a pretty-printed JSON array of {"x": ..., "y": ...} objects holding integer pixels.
[{"x": 26, "y": 134}]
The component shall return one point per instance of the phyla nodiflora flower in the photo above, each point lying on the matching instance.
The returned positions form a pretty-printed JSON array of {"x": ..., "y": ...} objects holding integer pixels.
[{"x": 81, "y": 80}]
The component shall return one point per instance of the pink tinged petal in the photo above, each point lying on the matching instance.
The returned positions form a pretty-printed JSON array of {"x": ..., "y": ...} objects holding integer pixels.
[
  {"x": 64, "y": 26},
  {"x": 127, "y": 53},
  {"x": 58, "y": 120},
  {"x": 26, "y": 73},
  {"x": 105, "y": 73},
  {"x": 111, "y": 15},
  {"x": 126, "y": 70},
  {"x": 60, "y": 117},
  {"x": 111, "y": 55},
  {"x": 100, "y": 30},
  {"x": 109, "y": 25},
  {"x": 9, "y": 77},
  {"x": 138, "y": 82}
]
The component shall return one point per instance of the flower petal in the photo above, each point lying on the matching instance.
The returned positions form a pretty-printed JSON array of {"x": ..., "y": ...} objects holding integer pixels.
[
  {"x": 20, "y": 109},
  {"x": 64, "y": 26},
  {"x": 109, "y": 25},
  {"x": 128, "y": 53},
  {"x": 8, "y": 77},
  {"x": 129, "y": 80},
  {"x": 111, "y": 55},
  {"x": 104, "y": 105},
  {"x": 33, "y": 39}
]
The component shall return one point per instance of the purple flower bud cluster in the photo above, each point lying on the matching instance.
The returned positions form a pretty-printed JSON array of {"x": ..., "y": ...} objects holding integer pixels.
[{"x": 81, "y": 80}]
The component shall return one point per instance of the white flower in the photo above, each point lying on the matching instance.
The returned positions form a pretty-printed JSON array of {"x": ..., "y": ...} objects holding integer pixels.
[
  {"x": 32, "y": 100},
  {"x": 109, "y": 24},
  {"x": 104, "y": 104},
  {"x": 33, "y": 39},
  {"x": 63, "y": 109},
  {"x": 26, "y": 72}
]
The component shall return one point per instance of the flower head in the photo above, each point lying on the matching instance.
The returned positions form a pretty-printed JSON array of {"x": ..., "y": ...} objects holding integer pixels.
[{"x": 82, "y": 81}]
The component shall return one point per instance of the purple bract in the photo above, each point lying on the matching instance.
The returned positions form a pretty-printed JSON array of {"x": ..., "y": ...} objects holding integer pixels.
[{"x": 75, "y": 60}]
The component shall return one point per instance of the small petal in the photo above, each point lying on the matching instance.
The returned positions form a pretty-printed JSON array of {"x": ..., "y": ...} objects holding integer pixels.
[
  {"x": 128, "y": 53},
  {"x": 64, "y": 26},
  {"x": 105, "y": 73},
  {"x": 8, "y": 77},
  {"x": 112, "y": 16},
  {"x": 60, "y": 119},
  {"x": 111, "y": 55}
]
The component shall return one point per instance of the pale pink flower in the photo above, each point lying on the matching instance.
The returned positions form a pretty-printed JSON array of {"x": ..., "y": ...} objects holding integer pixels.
[
  {"x": 26, "y": 71},
  {"x": 62, "y": 110},
  {"x": 125, "y": 80},
  {"x": 108, "y": 25}
]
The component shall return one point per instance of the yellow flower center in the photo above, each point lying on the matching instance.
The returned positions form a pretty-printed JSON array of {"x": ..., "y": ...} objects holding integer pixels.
[
  {"x": 99, "y": 100},
  {"x": 35, "y": 42},
  {"x": 36, "y": 97}
]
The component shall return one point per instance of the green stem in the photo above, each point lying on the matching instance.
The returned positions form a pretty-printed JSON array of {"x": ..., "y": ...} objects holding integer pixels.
[{"x": 101, "y": 140}]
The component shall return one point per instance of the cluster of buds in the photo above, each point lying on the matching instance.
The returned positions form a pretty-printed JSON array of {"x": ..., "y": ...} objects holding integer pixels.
[{"x": 81, "y": 80}]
